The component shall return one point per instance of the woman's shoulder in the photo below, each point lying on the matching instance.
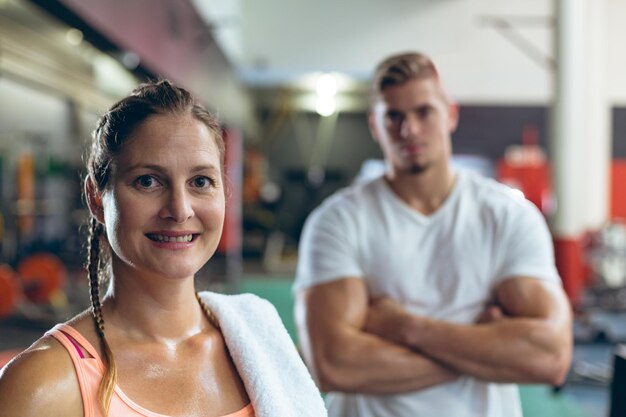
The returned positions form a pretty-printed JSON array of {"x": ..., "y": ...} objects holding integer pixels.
[{"x": 40, "y": 381}]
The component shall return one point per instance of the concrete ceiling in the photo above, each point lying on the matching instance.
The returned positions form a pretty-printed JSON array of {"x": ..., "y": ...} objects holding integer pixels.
[{"x": 495, "y": 51}]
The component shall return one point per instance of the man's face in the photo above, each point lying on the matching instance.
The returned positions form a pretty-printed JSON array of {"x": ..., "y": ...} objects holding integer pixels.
[{"x": 413, "y": 122}]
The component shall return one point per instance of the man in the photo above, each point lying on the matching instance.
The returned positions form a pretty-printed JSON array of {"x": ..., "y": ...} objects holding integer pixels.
[{"x": 427, "y": 292}]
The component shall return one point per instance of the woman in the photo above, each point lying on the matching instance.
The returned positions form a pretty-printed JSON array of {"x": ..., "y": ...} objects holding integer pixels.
[{"x": 153, "y": 346}]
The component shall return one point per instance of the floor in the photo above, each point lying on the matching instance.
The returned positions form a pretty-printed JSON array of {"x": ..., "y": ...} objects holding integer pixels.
[{"x": 591, "y": 372}]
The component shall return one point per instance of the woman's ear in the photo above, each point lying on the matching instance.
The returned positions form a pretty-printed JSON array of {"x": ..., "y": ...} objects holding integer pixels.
[{"x": 94, "y": 200}]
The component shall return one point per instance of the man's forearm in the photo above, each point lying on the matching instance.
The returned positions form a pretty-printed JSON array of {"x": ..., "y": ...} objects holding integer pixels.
[
  {"x": 368, "y": 364},
  {"x": 508, "y": 350}
]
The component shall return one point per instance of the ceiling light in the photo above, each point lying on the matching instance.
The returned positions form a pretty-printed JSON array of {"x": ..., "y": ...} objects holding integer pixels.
[
  {"x": 325, "y": 105},
  {"x": 74, "y": 37},
  {"x": 326, "y": 88},
  {"x": 326, "y": 85}
]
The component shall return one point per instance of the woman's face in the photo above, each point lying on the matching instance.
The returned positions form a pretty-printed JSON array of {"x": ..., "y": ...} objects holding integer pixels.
[{"x": 164, "y": 208}]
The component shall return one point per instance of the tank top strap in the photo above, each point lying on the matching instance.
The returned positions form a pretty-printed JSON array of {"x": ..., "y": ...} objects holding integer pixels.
[
  {"x": 79, "y": 338},
  {"x": 84, "y": 368}
]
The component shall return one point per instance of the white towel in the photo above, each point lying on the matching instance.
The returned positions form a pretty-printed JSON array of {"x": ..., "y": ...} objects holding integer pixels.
[{"x": 277, "y": 381}]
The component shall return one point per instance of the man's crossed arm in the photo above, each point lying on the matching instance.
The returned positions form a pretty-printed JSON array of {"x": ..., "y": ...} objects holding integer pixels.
[{"x": 354, "y": 344}]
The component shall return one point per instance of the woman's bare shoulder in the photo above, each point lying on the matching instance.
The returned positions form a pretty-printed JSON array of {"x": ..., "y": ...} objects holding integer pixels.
[{"x": 40, "y": 381}]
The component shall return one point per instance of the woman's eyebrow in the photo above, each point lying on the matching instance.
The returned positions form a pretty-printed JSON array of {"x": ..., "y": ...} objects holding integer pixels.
[{"x": 160, "y": 168}]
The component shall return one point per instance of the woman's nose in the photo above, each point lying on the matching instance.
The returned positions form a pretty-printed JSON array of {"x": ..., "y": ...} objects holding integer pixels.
[{"x": 178, "y": 206}]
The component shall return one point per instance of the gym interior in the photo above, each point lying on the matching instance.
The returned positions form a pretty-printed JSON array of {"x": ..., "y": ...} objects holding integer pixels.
[{"x": 541, "y": 87}]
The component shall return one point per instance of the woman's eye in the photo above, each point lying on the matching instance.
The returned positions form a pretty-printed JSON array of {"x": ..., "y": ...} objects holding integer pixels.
[
  {"x": 146, "y": 181},
  {"x": 202, "y": 182}
]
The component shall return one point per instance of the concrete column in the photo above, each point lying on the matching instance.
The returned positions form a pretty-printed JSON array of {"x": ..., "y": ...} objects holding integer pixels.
[
  {"x": 580, "y": 143},
  {"x": 598, "y": 116},
  {"x": 568, "y": 128}
]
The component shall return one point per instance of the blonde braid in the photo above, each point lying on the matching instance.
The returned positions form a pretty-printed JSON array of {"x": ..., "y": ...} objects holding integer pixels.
[
  {"x": 208, "y": 313},
  {"x": 107, "y": 385}
]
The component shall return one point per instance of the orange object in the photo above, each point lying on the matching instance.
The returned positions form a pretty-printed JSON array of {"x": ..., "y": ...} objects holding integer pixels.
[
  {"x": 25, "y": 193},
  {"x": 570, "y": 262},
  {"x": 533, "y": 181},
  {"x": 254, "y": 176},
  {"x": 9, "y": 290},
  {"x": 525, "y": 167},
  {"x": 42, "y": 274},
  {"x": 230, "y": 242},
  {"x": 618, "y": 189}
]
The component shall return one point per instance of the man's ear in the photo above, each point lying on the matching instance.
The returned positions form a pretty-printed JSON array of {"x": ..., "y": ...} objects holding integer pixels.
[
  {"x": 94, "y": 200},
  {"x": 371, "y": 122},
  {"x": 453, "y": 116}
]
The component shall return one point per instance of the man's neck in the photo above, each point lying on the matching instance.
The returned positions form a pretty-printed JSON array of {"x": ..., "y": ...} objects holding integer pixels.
[{"x": 425, "y": 191}]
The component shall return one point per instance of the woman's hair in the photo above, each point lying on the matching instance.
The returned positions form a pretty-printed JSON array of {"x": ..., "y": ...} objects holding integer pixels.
[
  {"x": 398, "y": 69},
  {"x": 112, "y": 132}
]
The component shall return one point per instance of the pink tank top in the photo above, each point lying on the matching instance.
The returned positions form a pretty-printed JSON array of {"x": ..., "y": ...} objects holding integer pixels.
[{"x": 90, "y": 371}]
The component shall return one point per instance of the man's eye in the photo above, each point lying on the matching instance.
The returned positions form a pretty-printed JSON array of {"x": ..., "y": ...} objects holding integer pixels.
[
  {"x": 425, "y": 111},
  {"x": 394, "y": 116}
]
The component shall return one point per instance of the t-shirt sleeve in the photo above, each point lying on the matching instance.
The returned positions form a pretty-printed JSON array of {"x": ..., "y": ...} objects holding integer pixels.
[
  {"x": 328, "y": 248},
  {"x": 527, "y": 245}
]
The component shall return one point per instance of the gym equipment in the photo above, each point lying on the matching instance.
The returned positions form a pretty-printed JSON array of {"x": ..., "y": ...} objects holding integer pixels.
[
  {"x": 25, "y": 193},
  {"x": 9, "y": 290},
  {"x": 525, "y": 167},
  {"x": 39, "y": 278},
  {"x": 42, "y": 274},
  {"x": 618, "y": 382}
]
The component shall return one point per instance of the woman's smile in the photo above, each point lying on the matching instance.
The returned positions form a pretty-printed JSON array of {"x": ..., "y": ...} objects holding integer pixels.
[{"x": 172, "y": 240}]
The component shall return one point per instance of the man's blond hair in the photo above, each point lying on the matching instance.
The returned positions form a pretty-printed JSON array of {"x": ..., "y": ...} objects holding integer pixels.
[{"x": 398, "y": 69}]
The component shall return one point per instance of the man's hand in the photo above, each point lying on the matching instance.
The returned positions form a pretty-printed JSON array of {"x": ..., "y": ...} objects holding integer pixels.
[
  {"x": 490, "y": 314},
  {"x": 385, "y": 318}
]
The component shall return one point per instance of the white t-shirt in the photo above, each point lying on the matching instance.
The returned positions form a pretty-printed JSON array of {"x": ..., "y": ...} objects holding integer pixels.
[{"x": 443, "y": 266}]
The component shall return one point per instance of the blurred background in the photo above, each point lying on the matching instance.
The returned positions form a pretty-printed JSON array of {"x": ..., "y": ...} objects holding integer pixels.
[{"x": 542, "y": 90}]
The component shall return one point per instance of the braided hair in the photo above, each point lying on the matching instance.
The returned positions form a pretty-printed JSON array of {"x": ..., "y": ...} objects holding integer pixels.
[{"x": 154, "y": 98}]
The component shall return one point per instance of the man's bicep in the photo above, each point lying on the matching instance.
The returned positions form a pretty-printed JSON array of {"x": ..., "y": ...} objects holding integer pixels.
[
  {"x": 532, "y": 298},
  {"x": 341, "y": 302},
  {"x": 327, "y": 312}
]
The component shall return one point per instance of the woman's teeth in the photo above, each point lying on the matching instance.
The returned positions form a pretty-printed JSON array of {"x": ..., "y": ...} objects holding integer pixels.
[{"x": 163, "y": 238}]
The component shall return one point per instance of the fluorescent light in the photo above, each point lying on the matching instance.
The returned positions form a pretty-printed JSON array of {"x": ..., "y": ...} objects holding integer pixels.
[
  {"x": 326, "y": 89},
  {"x": 325, "y": 105},
  {"x": 326, "y": 85}
]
